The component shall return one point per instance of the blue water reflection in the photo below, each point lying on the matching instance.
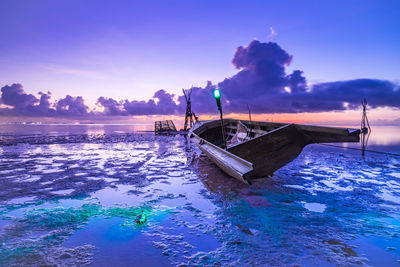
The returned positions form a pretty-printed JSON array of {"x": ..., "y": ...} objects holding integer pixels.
[{"x": 75, "y": 195}]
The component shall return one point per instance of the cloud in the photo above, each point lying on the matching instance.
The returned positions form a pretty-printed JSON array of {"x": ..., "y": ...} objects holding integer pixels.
[
  {"x": 162, "y": 104},
  {"x": 44, "y": 107},
  {"x": 15, "y": 96},
  {"x": 111, "y": 106},
  {"x": 71, "y": 106},
  {"x": 261, "y": 82},
  {"x": 380, "y": 93},
  {"x": 272, "y": 33},
  {"x": 22, "y": 104},
  {"x": 262, "y": 79}
]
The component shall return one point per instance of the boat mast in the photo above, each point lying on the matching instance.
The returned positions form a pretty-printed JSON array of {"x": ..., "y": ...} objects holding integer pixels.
[
  {"x": 249, "y": 112},
  {"x": 217, "y": 96}
]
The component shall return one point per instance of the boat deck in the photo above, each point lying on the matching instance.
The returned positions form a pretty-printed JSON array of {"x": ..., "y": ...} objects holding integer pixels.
[{"x": 257, "y": 149}]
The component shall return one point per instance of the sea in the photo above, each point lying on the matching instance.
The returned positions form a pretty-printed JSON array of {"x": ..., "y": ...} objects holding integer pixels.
[{"x": 118, "y": 195}]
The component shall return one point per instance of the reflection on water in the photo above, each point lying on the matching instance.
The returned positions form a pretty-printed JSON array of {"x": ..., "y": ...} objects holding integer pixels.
[
  {"x": 68, "y": 129},
  {"x": 96, "y": 195},
  {"x": 385, "y": 136}
]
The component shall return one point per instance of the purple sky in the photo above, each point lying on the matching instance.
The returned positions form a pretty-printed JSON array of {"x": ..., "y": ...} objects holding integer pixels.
[{"x": 130, "y": 50}]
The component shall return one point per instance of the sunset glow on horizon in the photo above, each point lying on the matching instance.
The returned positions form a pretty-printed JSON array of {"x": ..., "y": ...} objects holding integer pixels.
[{"x": 120, "y": 61}]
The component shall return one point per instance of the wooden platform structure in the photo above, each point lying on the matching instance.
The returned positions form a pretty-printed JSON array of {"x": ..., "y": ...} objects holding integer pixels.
[
  {"x": 164, "y": 127},
  {"x": 257, "y": 149}
]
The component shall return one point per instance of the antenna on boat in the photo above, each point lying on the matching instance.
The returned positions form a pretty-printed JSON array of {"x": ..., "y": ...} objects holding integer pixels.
[
  {"x": 248, "y": 108},
  {"x": 365, "y": 127},
  {"x": 217, "y": 96},
  {"x": 249, "y": 133}
]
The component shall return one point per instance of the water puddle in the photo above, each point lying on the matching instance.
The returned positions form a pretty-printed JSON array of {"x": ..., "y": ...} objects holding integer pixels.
[
  {"x": 116, "y": 196},
  {"x": 314, "y": 207}
]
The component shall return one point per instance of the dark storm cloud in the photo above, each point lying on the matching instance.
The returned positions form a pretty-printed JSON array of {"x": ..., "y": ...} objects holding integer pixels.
[
  {"x": 261, "y": 83},
  {"x": 162, "y": 104},
  {"x": 297, "y": 82},
  {"x": 111, "y": 106},
  {"x": 15, "y": 96},
  {"x": 379, "y": 92},
  {"x": 44, "y": 107},
  {"x": 165, "y": 105},
  {"x": 71, "y": 106},
  {"x": 21, "y": 104}
]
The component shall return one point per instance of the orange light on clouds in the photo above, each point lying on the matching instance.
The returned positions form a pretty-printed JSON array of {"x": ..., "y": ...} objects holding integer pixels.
[{"x": 348, "y": 117}]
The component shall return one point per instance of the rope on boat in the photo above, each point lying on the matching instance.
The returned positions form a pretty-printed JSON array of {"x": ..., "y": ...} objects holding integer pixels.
[{"x": 366, "y": 150}]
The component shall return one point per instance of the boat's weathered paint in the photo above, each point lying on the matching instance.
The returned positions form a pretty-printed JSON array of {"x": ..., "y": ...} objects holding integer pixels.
[
  {"x": 228, "y": 162},
  {"x": 267, "y": 147}
]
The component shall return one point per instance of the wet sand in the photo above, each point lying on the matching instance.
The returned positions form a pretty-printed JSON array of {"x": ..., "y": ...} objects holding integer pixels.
[{"x": 97, "y": 196}]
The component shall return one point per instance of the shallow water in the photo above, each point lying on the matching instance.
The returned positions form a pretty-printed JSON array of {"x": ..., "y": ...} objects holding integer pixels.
[{"x": 97, "y": 194}]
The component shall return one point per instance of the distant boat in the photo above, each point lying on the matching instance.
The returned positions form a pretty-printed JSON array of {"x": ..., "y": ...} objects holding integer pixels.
[{"x": 257, "y": 149}]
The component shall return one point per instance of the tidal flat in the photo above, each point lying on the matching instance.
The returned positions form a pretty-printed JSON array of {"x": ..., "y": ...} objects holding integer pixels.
[{"x": 97, "y": 195}]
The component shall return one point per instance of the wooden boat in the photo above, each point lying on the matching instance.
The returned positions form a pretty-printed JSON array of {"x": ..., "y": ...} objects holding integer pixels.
[{"x": 257, "y": 149}]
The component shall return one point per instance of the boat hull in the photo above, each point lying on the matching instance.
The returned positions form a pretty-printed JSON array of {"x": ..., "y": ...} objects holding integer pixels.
[{"x": 263, "y": 147}]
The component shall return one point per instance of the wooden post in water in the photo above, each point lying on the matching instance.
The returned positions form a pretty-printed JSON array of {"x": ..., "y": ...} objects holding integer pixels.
[{"x": 365, "y": 127}]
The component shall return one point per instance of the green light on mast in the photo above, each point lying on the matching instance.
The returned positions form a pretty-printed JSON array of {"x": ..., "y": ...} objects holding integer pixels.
[
  {"x": 217, "y": 96},
  {"x": 217, "y": 93}
]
